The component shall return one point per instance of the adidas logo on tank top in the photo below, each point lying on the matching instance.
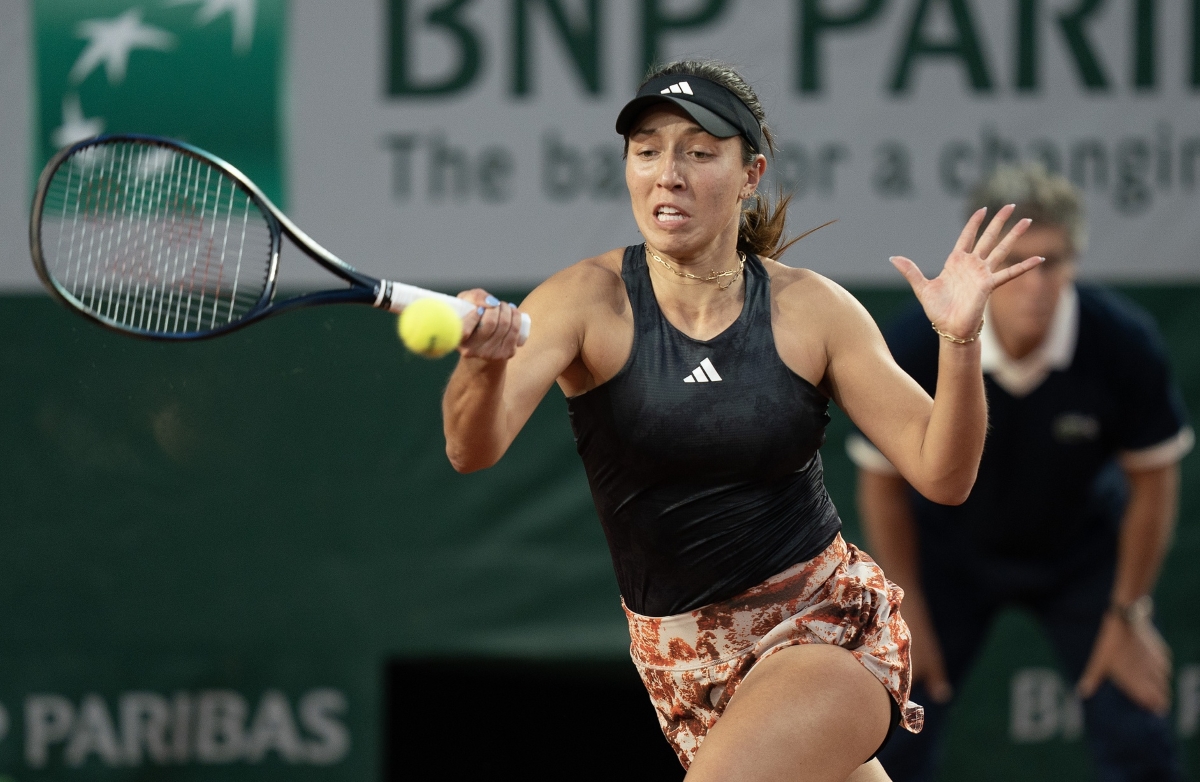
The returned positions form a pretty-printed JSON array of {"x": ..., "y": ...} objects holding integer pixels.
[{"x": 704, "y": 373}]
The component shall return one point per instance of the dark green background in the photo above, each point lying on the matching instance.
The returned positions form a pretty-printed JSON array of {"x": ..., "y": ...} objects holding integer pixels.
[{"x": 273, "y": 510}]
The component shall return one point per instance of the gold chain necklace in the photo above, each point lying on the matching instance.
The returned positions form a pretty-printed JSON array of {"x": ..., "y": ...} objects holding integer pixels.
[{"x": 713, "y": 275}]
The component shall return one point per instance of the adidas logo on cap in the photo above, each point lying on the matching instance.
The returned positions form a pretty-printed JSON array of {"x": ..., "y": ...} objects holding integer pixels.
[
  {"x": 705, "y": 373},
  {"x": 678, "y": 87}
]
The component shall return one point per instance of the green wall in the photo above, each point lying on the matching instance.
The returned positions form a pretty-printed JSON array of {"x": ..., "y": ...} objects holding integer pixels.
[{"x": 265, "y": 518}]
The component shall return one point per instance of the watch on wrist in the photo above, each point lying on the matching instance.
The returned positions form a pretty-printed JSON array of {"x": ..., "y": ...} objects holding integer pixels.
[{"x": 1140, "y": 610}]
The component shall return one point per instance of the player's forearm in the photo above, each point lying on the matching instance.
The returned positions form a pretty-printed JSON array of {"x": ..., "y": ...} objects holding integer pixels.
[
  {"x": 1146, "y": 531},
  {"x": 953, "y": 439},
  {"x": 473, "y": 414}
]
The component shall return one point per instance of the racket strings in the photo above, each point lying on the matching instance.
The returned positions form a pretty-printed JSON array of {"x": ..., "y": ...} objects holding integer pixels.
[{"x": 153, "y": 239}]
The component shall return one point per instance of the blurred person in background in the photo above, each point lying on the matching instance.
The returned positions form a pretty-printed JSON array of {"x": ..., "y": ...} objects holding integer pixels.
[{"x": 1073, "y": 508}]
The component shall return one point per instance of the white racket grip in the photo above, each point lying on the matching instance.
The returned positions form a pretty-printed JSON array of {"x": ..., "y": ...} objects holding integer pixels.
[{"x": 395, "y": 296}]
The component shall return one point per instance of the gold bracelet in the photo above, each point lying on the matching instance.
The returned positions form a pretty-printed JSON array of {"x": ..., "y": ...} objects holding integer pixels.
[{"x": 959, "y": 340}]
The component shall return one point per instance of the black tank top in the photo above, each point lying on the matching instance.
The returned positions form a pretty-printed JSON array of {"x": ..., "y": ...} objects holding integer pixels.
[{"x": 702, "y": 455}]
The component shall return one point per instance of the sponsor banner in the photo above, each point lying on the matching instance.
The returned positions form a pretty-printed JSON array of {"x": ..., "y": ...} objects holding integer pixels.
[
  {"x": 461, "y": 141},
  {"x": 468, "y": 141},
  {"x": 213, "y": 727},
  {"x": 217, "y": 715},
  {"x": 205, "y": 71}
]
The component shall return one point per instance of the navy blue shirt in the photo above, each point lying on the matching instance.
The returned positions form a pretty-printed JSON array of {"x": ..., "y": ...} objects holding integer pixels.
[{"x": 1050, "y": 494}]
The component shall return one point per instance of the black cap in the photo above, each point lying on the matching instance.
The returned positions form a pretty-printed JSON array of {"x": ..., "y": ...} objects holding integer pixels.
[{"x": 716, "y": 109}]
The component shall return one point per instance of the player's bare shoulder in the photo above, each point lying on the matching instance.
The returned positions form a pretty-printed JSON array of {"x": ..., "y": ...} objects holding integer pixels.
[
  {"x": 583, "y": 284},
  {"x": 581, "y": 291},
  {"x": 804, "y": 298},
  {"x": 588, "y": 299}
]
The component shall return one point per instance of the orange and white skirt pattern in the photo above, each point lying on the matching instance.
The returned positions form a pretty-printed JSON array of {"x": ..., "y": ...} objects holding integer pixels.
[{"x": 692, "y": 663}]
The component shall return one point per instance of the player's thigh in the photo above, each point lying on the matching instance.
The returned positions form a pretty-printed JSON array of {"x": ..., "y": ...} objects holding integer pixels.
[
  {"x": 810, "y": 712},
  {"x": 871, "y": 771}
]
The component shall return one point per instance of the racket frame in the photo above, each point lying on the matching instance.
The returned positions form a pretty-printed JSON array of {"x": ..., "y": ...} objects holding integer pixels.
[{"x": 363, "y": 288}]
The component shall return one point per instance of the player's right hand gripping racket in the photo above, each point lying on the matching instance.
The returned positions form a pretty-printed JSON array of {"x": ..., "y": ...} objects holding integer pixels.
[{"x": 158, "y": 239}]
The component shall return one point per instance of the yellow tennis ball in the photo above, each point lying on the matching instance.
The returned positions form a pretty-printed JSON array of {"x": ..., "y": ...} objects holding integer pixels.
[{"x": 430, "y": 328}]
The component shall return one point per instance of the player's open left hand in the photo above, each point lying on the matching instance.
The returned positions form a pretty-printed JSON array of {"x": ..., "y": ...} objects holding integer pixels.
[
  {"x": 491, "y": 331},
  {"x": 954, "y": 300}
]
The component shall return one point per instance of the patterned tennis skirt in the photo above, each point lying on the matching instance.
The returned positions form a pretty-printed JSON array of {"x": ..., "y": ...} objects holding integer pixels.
[{"x": 692, "y": 663}]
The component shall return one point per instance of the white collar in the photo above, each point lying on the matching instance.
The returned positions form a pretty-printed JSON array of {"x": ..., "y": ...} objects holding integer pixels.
[{"x": 1057, "y": 350}]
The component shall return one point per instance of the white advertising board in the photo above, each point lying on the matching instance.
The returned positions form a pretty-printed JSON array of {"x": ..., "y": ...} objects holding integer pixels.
[
  {"x": 887, "y": 112},
  {"x": 462, "y": 142}
]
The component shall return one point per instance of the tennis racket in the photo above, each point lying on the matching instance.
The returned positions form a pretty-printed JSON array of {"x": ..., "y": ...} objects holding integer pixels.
[{"x": 159, "y": 239}]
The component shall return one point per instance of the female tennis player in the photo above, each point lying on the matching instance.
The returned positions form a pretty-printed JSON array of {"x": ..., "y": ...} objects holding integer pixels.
[{"x": 698, "y": 371}]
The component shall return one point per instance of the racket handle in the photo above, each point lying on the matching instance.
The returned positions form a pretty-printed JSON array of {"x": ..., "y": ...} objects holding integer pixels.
[{"x": 395, "y": 296}]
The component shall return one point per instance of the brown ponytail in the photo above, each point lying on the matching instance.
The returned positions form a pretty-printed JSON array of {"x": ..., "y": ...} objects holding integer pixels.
[{"x": 762, "y": 226}]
